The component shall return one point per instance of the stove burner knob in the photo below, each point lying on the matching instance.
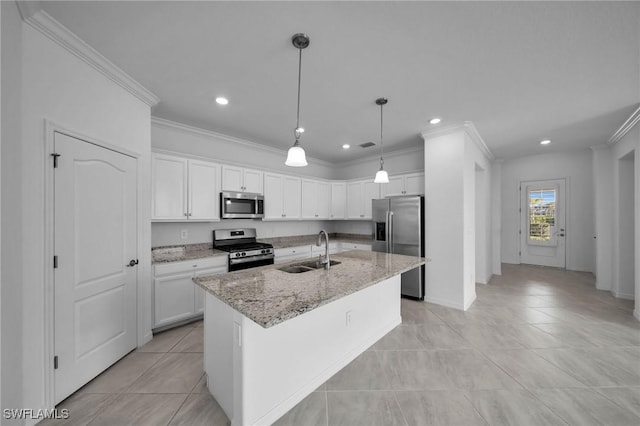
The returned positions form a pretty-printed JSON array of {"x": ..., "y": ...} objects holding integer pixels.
[
  {"x": 237, "y": 254},
  {"x": 244, "y": 254},
  {"x": 263, "y": 251}
]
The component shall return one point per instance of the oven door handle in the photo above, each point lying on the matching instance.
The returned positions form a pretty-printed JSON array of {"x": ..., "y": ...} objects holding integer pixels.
[{"x": 236, "y": 261}]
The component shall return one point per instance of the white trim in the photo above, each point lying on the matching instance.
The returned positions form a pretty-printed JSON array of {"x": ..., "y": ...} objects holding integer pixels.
[
  {"x": 469, "y": 128},
  {"x": 633, "y": 119},
  {"x": 47, "y": 25},
  {"x": 470, "y": 300},
  {"x": 636, "y": 313},
  {"x": 50, "y": 128}
]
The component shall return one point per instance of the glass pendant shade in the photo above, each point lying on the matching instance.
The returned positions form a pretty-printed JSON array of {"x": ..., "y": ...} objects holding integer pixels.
[
  {"x": 381, "y": 177},
  {"x": 296, "y": 156}
]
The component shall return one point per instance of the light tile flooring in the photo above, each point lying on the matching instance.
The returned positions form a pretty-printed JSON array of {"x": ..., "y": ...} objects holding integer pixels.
[{"x": 538, "y": 347}]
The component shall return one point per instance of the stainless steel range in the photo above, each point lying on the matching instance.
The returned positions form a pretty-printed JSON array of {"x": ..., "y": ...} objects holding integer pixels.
[{"x": 244, "y": 251}]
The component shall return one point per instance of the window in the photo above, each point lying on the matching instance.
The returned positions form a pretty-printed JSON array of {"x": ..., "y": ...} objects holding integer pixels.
[{"x": 542, "y": 215}]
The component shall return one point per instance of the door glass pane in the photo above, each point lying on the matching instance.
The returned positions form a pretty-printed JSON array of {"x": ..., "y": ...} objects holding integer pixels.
[{"x": 542, "y": 214}]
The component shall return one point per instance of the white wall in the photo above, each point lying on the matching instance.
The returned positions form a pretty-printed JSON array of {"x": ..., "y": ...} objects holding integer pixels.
[
  {"x": 399, "y": 162},
  {"x": 168, "y": 234},
  {"x": 452, "y": 157},
  {"x": 576, "y": 167},
  {"x": 603, "y": 216},
  {"x": 496, "y": 217},
  {"x": 11, "y": 217},
  {"x": 625, "y": 170},
  {"x": 59, "y": 86},
  {"x": 178, "y": 138}
]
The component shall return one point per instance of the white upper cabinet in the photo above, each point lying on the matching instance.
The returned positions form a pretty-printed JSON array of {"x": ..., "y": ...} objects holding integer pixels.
[
  {"x": 359, "y": 196},
  {"x": 169, "y": 187},
  {"x": 184, "y": 189},
  {"x": 281, "y": 197},
  {"x": 409, "y": 184},
  {"x": 338, "y": 200},
  {"x": 204, "y": 190},
  {"x": 238, "y": 179},
  {"x": 316, "y": 199}
]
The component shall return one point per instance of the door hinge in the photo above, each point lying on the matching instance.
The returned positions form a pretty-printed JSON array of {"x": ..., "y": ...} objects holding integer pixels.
[
  {"x": 519, "y": 253},
  {"x": 519, "y": 209},
  {"x": 55, "y": 262},
  {"x": 55, "y": 362},
  {"x": 520, "y": 231},
  {"x": 55, "y": 156}
]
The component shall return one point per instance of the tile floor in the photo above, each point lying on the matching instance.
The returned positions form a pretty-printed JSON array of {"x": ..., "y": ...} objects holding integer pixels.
[{"x": 538, "y": 347}]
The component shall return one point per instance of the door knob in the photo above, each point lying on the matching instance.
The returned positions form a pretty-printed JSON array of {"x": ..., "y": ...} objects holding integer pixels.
[{"x": 132, "y": 262}]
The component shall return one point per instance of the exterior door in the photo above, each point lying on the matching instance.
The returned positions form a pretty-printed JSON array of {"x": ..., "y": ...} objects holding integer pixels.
[
  {"x": 542, "y": 223},
  {"x": 95, "y": 240}
]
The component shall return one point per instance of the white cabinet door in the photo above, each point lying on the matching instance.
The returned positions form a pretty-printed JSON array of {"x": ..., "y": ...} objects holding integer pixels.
[
  {"x": 273, "y": 196},
  {"x": 174, "y": 298},
  {"x": 414, "y": 184},
  {"x": 237, "y": 179},
  {"x": 204, "y": 190},
  {"x": 309, "y": 188},
  {"x": 232, "y": 179},
  {"x": 370, "y": 191},
  {"x": 394, "y": 187},
  {"x": 338, "y": 200},
  {"x": 354, "y": 200},
  {"x": 199, "y": 291},
  {"x": 169, "y": 187},
  {"x": 253, "y": 181},
  {"x": 291, "y": 196},
  {"x": 323, "y": 200},
  {"x": 291, "y": 253}
]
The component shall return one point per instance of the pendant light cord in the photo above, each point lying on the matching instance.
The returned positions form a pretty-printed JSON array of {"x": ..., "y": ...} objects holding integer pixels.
[
  {"x": 297, "y": 133},
  {"x": 381, "y": 144}
]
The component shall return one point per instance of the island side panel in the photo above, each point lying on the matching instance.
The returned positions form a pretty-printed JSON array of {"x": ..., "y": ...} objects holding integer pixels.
[
  {"x": 219, "y": 351},
  {"x": 282, "y": 364}
]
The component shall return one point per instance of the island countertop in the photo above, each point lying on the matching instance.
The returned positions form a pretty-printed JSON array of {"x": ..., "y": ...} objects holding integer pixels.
[{"x": 269, "y": 296}]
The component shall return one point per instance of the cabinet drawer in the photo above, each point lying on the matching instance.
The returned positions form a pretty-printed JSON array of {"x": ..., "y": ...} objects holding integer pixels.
[
  {"x": 355, "y": 246},
  {"x": 333, "y": 248},
  {"x": 292, "y": 253},
  {"x": 190, "y": 265}
]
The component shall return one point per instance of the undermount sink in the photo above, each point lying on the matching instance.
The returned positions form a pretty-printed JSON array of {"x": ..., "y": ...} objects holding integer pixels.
[{"x": 299, "y": 268}]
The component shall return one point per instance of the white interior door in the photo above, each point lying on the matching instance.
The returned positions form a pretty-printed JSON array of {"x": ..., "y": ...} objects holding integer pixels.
[
  {"x": 542, "y": 223},
  {"x": 95, "y": 239}
]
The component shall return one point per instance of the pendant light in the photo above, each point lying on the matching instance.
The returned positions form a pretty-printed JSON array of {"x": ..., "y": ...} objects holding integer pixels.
[
  {"x": 381, "y": 175},
  {"x": 296, "y": 156}
]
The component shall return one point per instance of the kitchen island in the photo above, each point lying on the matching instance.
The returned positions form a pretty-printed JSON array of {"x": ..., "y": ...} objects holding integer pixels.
[{"x": 273, "y": 337}]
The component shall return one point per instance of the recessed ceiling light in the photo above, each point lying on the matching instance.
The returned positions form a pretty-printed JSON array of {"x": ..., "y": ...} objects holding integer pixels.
[
  {"x": 222, "y": 101},
  {"x": 545, "y": 142},
  {"x": 346, "y": 146},
  {"x": 435, "y": 120}
]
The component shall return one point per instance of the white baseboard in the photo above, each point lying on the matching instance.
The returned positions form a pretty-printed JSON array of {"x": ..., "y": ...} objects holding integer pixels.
[
  {"x": 469, "y": 301},
  {"x": 604, "y": 287},
  {"x": 626, "y": 296},
  {"x": 445, "y": 303},
  {"x": 636, "y": 313}
]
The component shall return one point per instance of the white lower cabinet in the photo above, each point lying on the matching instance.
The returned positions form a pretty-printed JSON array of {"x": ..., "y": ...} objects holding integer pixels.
[
  {"x": 291, "y": 253},
  {"x": 344, "y": 246},
  {"x": 176, "y": 297}
]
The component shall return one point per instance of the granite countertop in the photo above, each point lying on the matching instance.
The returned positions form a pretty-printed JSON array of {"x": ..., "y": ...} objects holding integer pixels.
[
  {"x": 166, "y": 254},
  {"x": 269, "y": 296},
  {"x": 187, "y": 252}
]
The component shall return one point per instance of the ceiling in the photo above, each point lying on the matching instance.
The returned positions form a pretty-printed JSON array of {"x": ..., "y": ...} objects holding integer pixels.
[{"x": 520, "y": 71}]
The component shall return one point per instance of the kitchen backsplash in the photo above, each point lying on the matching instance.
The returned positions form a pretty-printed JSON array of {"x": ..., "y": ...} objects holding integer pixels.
[{"x": 167, "y": 233}]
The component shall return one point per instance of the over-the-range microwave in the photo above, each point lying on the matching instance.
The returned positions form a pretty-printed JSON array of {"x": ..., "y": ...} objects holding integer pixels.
[{"x": 241, "y": 205}]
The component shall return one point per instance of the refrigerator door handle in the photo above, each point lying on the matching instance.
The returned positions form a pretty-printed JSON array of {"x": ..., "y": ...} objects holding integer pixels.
[
  {"x": 386, "y": 227},
  {"x": 390, "y": 239}
]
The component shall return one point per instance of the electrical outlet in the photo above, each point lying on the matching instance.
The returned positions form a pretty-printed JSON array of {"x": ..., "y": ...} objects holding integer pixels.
[
  {"x": 348, "y": 318},
  {"x": 184, "y": 234}
]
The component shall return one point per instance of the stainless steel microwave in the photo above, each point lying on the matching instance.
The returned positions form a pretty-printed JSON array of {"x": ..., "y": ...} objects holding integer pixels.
[{"x": 241, "y": 205}]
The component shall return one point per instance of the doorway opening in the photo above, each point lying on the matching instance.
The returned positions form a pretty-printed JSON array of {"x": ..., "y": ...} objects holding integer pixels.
[{"x": 625, "y": 282}]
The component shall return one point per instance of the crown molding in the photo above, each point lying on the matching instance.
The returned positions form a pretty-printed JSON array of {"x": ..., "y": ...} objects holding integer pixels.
[
  {"x": 40, "y": 20},
  {"x": 599, "y": 147},
  {"x": 184, "y": 128},
  {"x": 626, "y": 126},
  {"x": 469, "y": 128}
]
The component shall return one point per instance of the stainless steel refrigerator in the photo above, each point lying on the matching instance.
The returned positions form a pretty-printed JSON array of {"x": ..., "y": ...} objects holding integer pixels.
[{"x": 398, "y": 227}]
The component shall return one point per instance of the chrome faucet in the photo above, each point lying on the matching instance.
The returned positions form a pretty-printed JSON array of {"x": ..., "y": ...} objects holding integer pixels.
[{"x": 326, "y": 262}]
